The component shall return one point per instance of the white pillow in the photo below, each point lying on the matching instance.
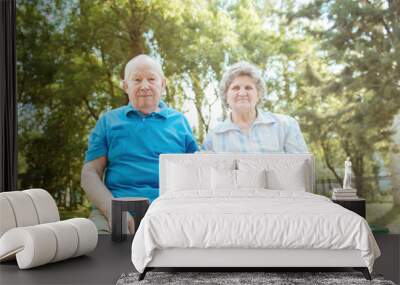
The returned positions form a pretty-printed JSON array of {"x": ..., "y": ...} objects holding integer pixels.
[
  {"x": 251, "y": 178},
  {"x": 183, "y": 177},
  {"x": 287, "y": 174},
  {"x": 223, "y": 179},
  {"x": 290, "y": 178}
]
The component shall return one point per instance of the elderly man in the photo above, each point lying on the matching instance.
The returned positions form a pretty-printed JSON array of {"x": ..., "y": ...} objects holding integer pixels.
[{"x": 126, "y": 142}]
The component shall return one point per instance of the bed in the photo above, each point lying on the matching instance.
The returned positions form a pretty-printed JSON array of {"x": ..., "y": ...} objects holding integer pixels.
[{"x": 247, "y": 210}]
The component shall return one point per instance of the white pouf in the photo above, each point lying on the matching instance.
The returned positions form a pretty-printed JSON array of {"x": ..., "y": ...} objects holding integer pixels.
[{"x": 31, "y": 232}]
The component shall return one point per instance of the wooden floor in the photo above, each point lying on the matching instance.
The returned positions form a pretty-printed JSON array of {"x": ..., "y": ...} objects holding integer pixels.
[
  {"x": 389, "y": 262},
  {"x": 110, "y": 260},
  {"x": 102, "y": 266}
]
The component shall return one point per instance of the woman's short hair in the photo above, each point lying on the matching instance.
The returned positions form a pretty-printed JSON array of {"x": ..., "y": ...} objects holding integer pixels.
[{"x": 239, "y": 69}]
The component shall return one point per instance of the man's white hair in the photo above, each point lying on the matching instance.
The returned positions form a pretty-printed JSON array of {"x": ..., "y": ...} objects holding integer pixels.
[{"x": 129, "y": 67}]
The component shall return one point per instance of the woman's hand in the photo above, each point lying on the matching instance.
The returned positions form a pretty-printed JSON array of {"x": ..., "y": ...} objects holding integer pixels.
[{"x": 131, "y": 224}]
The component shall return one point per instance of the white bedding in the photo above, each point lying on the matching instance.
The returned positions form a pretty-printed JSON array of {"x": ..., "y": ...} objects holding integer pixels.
[{"x": 252, "y": 218}]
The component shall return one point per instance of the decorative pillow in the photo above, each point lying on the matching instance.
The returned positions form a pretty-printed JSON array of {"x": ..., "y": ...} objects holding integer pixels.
[
  {"x": 251, "y": 178},
  {"x": 282, "y": 174},
  {"x": 293, "y": 180},
  {"x": 188, "y": 177},
  {"x": 223, "y": 179}
]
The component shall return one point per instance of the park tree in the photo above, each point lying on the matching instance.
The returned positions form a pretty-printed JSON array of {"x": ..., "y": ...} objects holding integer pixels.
[
  {"x": 66, "y": 84},
  {"x": 194, "y": 55},
  {"x": 361, "y": 45},
  {"x": 333, "y": 65}
]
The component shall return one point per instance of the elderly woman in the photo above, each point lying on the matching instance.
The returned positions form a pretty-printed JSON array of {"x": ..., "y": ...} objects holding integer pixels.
[{"x": 248, "y": 129}]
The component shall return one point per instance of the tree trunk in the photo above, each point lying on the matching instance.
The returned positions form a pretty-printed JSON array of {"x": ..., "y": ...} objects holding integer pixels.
[
  {"x": 135, "y": 27},
  {"x": 395, "y": 162},
  {"x": 198, "y": 102},
  {"x": 326, "y": 154},
  {"x": 358, "y": 170}
]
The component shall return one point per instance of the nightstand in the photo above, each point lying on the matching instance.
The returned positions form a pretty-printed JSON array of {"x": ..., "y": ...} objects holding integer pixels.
[{"x": 355, "y": 205}]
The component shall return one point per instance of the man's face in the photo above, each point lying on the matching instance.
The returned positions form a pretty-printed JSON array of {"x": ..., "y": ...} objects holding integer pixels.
[{"x": 144, "y": 87}]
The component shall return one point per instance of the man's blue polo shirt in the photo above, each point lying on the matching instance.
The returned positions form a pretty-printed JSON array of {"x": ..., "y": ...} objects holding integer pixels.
[{"x": 132, "y": 144}]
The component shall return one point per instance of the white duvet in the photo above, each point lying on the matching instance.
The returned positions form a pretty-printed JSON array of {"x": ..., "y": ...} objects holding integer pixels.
[{"x": 250, "y": 219}]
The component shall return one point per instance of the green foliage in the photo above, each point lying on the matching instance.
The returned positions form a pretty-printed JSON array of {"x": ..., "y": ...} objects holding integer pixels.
[
  {"x": 362, "y": 43},
  {"x": 334, "y": 65}
]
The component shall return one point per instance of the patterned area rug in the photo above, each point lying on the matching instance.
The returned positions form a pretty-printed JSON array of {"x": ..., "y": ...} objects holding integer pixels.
[{"x": 229, "y": 278}]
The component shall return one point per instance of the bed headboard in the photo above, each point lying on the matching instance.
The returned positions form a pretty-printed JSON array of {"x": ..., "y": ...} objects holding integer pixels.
[{"x": 282, "y": 161}]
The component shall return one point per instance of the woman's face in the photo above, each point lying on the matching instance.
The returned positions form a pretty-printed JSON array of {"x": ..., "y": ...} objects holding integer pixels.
[{"x": 242, "y": 94}]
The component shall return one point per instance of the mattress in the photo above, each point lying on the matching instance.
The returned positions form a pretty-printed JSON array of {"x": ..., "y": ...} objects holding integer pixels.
[{"x": 250, "y": 219}]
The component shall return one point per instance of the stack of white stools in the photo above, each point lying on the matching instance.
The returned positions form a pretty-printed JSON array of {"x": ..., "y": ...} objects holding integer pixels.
[{"x": 31, "y": 230}]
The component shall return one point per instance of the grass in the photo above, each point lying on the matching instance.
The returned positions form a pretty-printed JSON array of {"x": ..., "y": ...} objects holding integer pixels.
[
  {"x": 80, "y": 212},
  {"x": 377, "y": 210},
  {"x": 390, "y": 217},
  {"x": 384, "y": 215}
]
